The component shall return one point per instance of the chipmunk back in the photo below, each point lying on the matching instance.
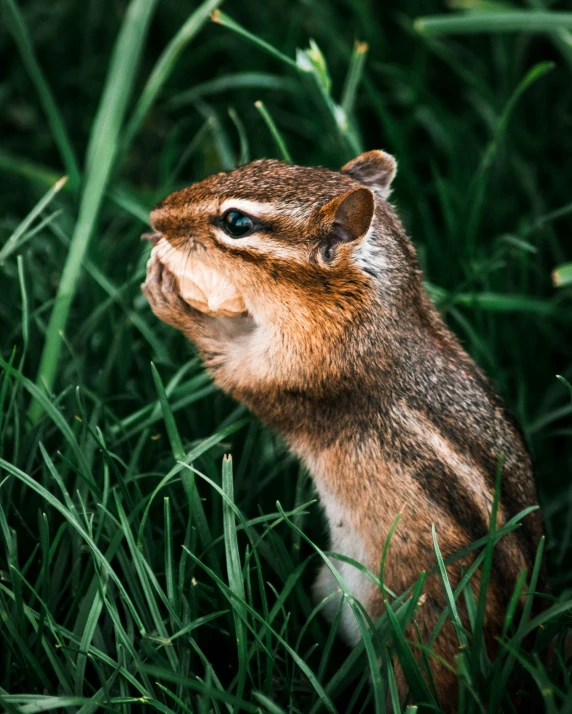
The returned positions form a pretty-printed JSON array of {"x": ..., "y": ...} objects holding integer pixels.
[{"x": 341, "y": 351}]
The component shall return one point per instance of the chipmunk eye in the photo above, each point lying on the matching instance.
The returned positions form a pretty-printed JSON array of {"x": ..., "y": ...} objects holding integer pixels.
[{"x": 237, "y": 224}]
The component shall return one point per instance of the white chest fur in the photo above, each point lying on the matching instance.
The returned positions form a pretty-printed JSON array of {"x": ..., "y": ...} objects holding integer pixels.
[{"x": 344, "y": 539}]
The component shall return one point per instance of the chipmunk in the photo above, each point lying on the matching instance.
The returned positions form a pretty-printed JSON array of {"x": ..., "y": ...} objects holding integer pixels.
[{"x": 339, "y": 349}]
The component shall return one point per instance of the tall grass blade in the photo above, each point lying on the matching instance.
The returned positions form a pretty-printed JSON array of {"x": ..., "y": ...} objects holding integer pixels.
[
  {"x": 385, "y": 553},
  {"x": 168, "y": 418},
  {"x": 233, "y": 82},
  {"x": 499, "y": 21},
  {"x": 194, "y": 454},
  {"x": 25, "y": 307},
  {"x": 101, "y": 152},
  {"x": 244, "y": 150},
  {"x": 241, "y": 606},
  {"x": 357, "y": 610},
  {"x": 483, "y": 174},
  {"x": 478, "y": 629},
  {"x": 55, "y": 415},
  {"x": 355, "y": 72},
  {"x": 234, "y": 572},
  {"x": 13, "y": 241},
  {"x": 223, "y": 19},
  {"x": 449, "y": 597},
  {"x": 165, "y": 65},
  {"x": 98, "y": 555},
  {"x": 413, "y": 674},
  {"x": 280, "y": 143}
]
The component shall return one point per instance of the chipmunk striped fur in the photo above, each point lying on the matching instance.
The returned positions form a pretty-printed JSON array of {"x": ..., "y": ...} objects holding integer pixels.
[{"x": 342, "y": 352}]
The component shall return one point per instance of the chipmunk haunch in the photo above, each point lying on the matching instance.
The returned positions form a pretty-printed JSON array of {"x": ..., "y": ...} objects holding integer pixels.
[{"x": 341, "y": 351}]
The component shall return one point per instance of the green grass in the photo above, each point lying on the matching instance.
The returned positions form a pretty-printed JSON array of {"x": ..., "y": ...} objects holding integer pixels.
[{"x": 139, "y": 569}]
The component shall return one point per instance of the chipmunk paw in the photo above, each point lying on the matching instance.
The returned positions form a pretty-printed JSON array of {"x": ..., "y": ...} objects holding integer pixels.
[{"x": 161, "y": 289}]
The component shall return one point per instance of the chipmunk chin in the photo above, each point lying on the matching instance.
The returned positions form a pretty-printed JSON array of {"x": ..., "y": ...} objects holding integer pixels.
[{"x": 201, "y": 284}]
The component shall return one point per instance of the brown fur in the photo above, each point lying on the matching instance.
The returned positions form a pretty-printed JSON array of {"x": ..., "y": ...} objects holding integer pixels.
[{"x": 343, "y": 353}]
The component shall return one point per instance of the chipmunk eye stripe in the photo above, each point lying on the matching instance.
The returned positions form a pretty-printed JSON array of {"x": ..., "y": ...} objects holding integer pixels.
[{"x": 252, "y": 208}]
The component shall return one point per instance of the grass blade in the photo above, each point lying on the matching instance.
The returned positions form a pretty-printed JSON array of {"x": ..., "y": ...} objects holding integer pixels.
[
  {"x": 459, "y": 629},
  {"x": 147, "y": 584},
  {"x": 55, "y": 415},
  {"x": 393, "y": 693},
  {"x": 478, "y": 642},
  {"x": 223, "y": 19},
  {"x": 502, "y": 675},
  {"x": 98, "y": 555},
  {"x": 234, "y": 572},
  {"x": 500, "y": 21},
  {"x": 413, "y": 674},
  {"x": 483, "y": 174},
  {"x": 355, "y": 72},
  {"x": 168, "y": 418},
  {"x": 232, "y": 598},
  {"x": 12, "y": 243},
  {"x": 280, "y": 143},
  {"x": 25, "y": 308},
  {"x": 233, "y": 82},
  {"x": 190, "y": 457},
  {"x": 165, "y": 65},
  {"x": 385, "y": 552},
  {"x": 358, "y": 613},
  {"x": 99, "y": 162}
]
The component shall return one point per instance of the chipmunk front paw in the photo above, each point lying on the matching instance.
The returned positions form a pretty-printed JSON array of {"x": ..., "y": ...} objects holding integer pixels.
[{"x": 161, "y": 289}]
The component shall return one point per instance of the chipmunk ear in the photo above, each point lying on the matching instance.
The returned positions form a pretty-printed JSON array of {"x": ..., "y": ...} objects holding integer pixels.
[
  {"x": 375, "y": 169},
  {"x": 347, "y": 218}
]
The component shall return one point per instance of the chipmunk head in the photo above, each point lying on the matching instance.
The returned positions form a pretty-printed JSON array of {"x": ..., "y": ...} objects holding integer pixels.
[{"x": 288, "y": 234}]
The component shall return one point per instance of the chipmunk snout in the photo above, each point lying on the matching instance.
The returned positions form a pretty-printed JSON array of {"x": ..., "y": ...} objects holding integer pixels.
[
  {"x": 179, "y": 227},
  {"x": 157, "y": 220}
]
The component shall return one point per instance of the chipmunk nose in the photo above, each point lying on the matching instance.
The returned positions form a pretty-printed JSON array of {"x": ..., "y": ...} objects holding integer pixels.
[{"x": 153, "y": 238}]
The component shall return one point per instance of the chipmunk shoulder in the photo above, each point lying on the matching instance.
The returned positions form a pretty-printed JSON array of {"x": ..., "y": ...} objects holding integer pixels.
[{"x": 340, "y": 350}]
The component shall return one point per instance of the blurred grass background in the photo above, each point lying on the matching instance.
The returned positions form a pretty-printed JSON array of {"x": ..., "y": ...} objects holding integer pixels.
[{"x": 134, "y": 100}]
